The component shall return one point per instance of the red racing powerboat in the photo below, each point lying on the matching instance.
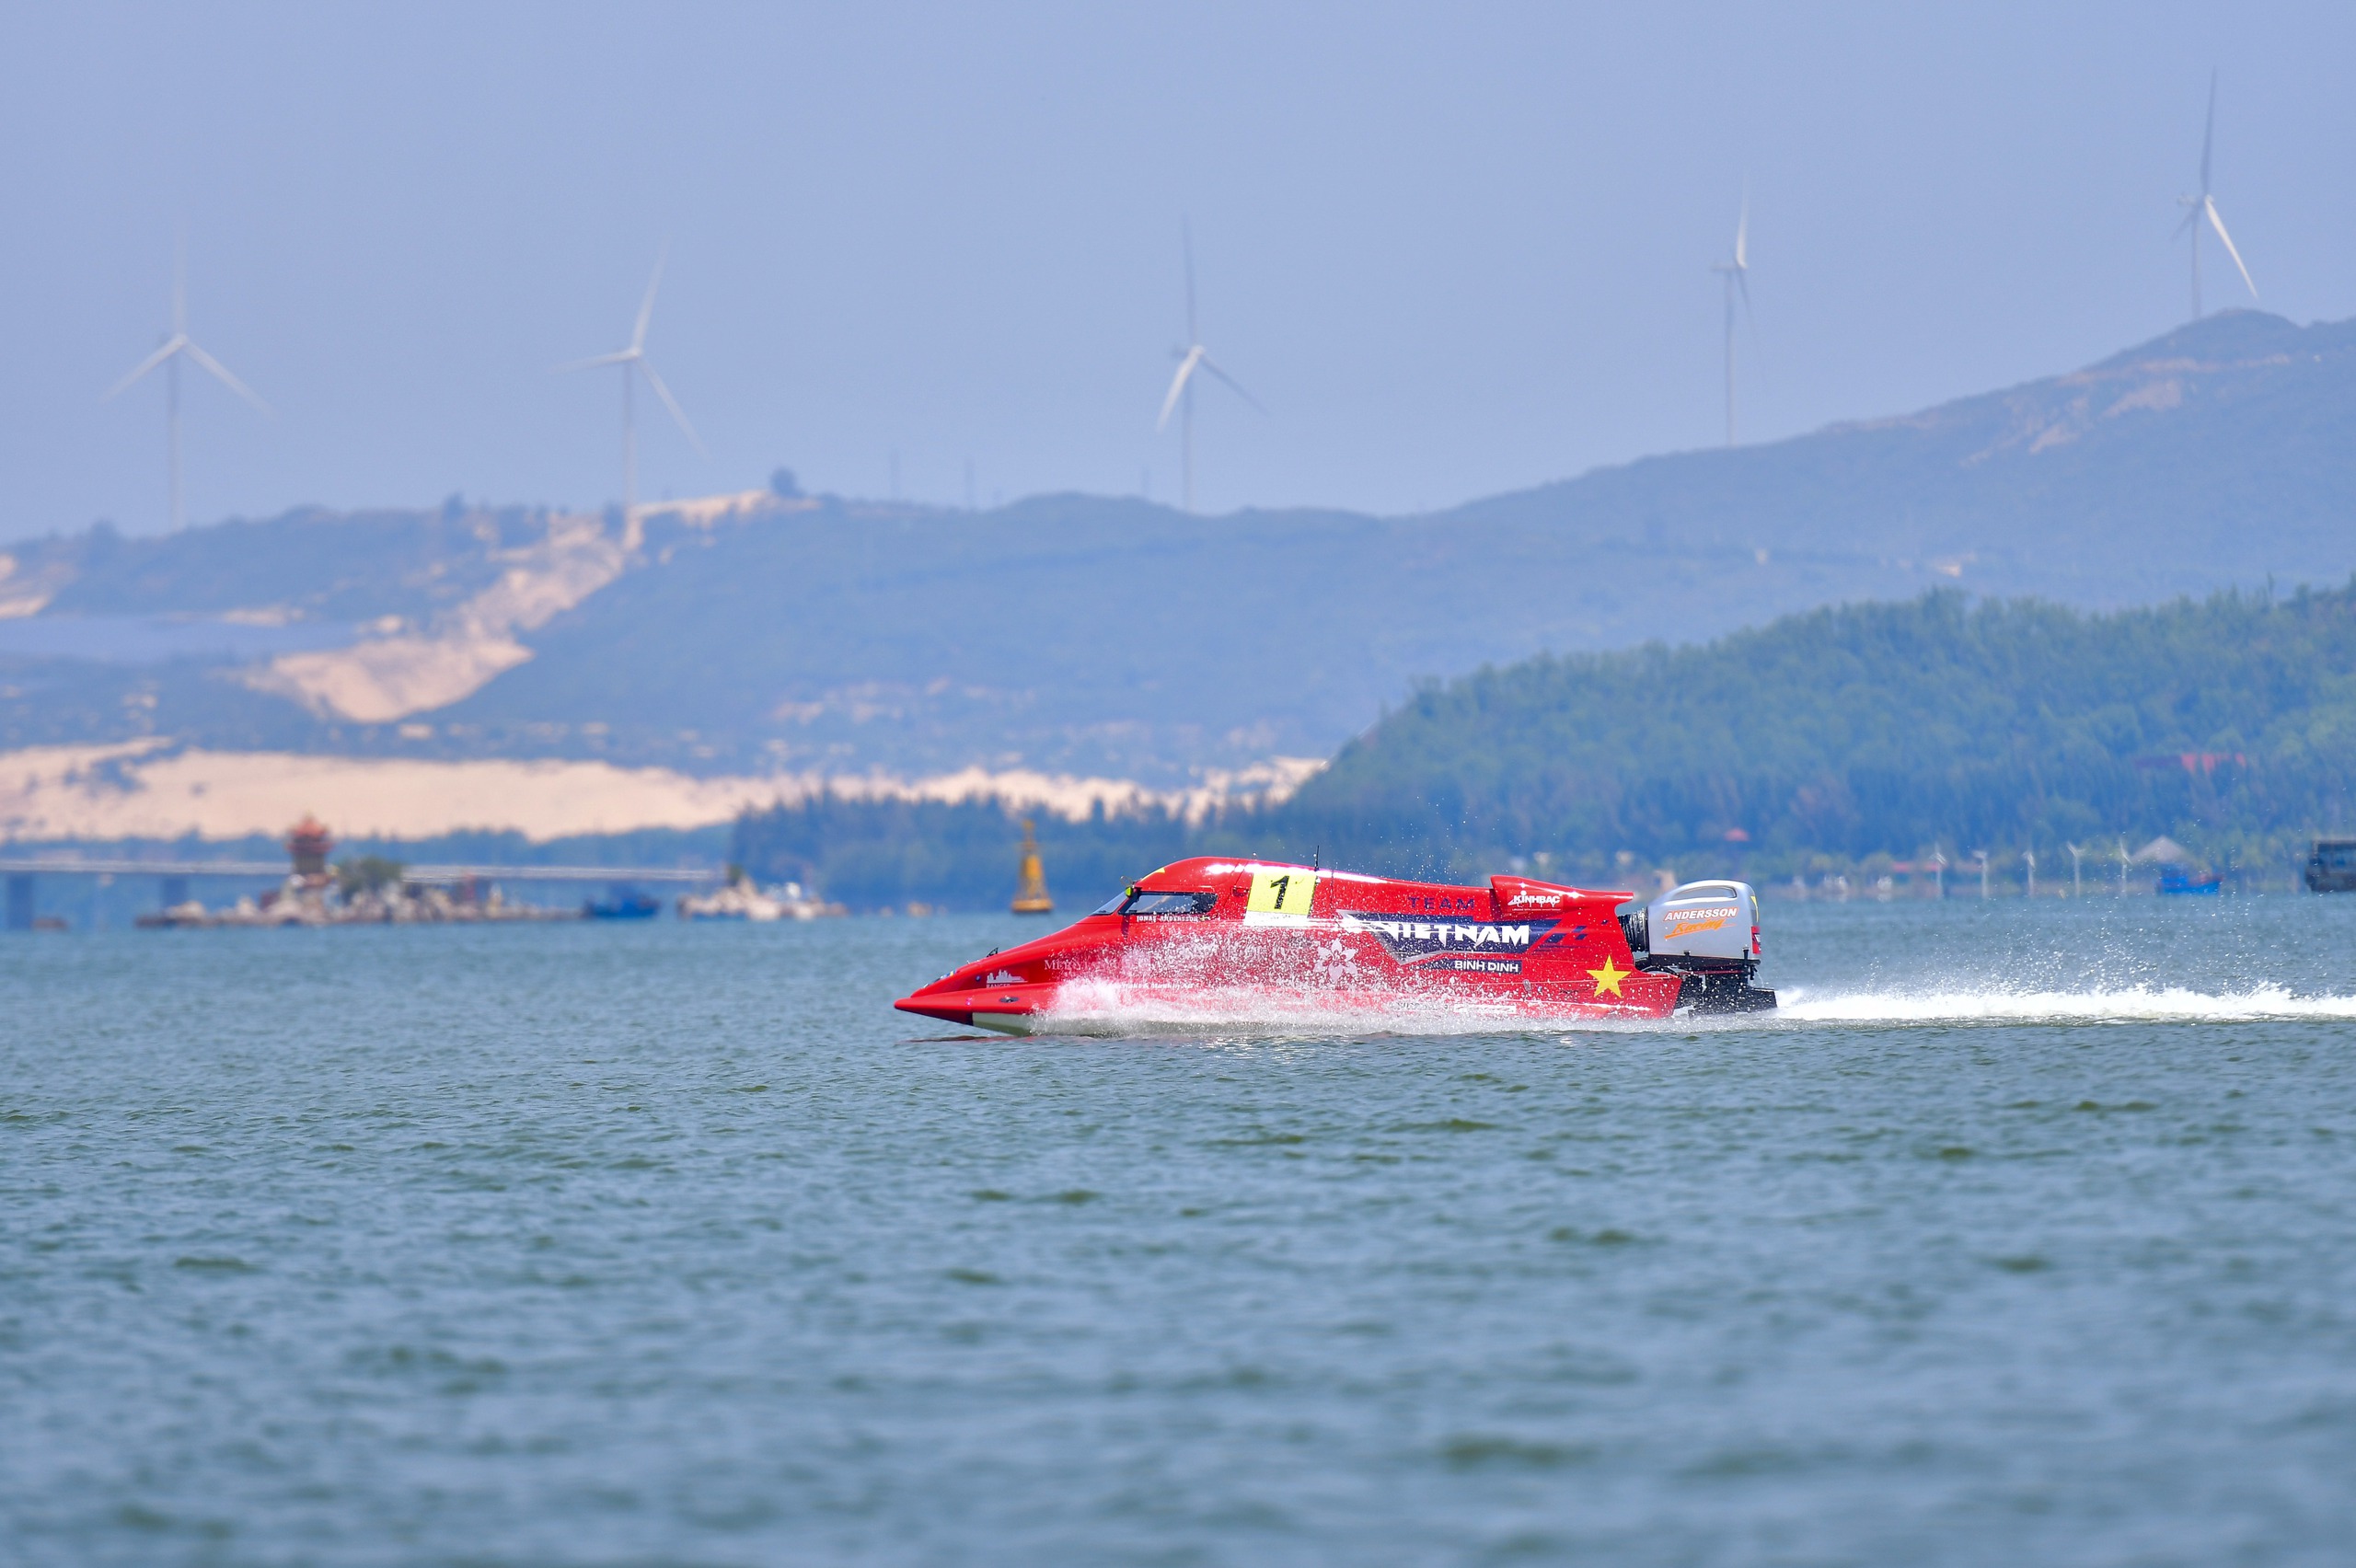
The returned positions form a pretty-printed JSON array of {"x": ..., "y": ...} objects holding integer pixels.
[{"x": 1212, "y": 943}]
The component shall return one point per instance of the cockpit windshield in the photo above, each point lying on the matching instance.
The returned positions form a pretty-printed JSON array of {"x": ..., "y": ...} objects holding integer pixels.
[{"x": 1156, "y": 904}]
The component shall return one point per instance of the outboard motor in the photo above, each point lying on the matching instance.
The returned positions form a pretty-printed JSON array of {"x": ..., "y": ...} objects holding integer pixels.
[{"x": 1708, "y": 932}]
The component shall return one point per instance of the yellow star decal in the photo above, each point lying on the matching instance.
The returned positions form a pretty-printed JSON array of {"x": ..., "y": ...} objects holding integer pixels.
[{"x": 1608, "y": 978}]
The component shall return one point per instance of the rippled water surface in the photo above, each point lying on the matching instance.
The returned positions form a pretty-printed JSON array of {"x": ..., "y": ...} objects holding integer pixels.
[{"x": 2022, "y": 1234}]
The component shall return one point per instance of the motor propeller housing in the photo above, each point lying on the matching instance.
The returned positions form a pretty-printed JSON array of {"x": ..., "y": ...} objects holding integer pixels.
[
  {"x": 1708, "y": 932},
  {"x": 1703, "y": 919}
]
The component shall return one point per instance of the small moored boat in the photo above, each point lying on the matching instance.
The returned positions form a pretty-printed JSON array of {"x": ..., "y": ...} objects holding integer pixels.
[{"x": 620, "y": 904}]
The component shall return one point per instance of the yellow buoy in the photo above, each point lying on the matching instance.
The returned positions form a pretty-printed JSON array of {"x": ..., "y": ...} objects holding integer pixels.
[{"x": 1031, "y": 886}]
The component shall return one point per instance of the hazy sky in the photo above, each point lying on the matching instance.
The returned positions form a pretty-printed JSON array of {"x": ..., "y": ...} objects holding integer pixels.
[{"x": 1455, "y": 249}]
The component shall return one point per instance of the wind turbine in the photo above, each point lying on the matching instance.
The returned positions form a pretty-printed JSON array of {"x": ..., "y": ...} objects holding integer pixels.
[
  {"x": 1736, "y": 273},
  {"x": 175, "y": 347},
  {"x": 2205, "y": 206},
  {"x": 634, "y": 364},
  {"x": 1192, "y": 358}
]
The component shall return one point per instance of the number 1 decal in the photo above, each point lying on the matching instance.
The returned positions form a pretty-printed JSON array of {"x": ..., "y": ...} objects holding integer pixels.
[{"x": 1282, "y": 893}]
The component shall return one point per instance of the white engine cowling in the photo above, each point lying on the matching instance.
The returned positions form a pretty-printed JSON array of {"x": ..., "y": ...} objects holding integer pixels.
[{"x": 1705, "y": 919}]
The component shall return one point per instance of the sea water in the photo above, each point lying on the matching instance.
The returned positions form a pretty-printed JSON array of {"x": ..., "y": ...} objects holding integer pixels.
[{"x": 2023, "y": 1233}]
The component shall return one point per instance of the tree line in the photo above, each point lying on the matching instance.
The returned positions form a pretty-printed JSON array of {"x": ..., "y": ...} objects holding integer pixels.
[{"x": 1938, "y": 723}]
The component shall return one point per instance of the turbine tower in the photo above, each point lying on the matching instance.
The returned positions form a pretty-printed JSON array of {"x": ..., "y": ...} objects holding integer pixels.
[
  {"x": 634, "y": 364},
  {"x": 1192, "y": 358},
  {"x": 2204, "y": 206},
  {"x": 1736, "y": 273},
  {"x": 175, "y": 347}
]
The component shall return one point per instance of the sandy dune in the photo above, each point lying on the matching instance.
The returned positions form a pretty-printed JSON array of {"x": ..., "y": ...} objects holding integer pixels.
[
  {"x": 384, "y": 678},
  {"x": 147, "y": 788}
]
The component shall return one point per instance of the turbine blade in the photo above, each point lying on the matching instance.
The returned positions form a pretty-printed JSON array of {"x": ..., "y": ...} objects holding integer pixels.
[
  {"x": 620, "y": 356},
  {"x": 1177, "y": 385},
  {"x": 673, "y": 404},
  {"x": 1742, "y": 233},
  {"x": 2191, "y": 216},
  {"x": 1237, "y": 386},
  {"x": 221, "y": 373},
  {"x": 2219, "y": 224},
  {"x": 2209, "y": 132},
  {"x": 646, "y": 309},
  {"x": 143, "y": 367}
]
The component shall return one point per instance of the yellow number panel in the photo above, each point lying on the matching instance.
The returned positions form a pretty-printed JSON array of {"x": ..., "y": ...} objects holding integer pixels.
[{"x": 1281, "y": 893}]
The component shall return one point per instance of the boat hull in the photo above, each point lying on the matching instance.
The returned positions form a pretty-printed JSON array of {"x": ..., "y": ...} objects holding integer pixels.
[{"x": 1146, "y": 1012}]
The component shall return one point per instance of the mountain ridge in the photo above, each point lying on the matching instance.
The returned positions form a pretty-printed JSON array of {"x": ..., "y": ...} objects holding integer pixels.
[{"x": 1110, "y": 637}]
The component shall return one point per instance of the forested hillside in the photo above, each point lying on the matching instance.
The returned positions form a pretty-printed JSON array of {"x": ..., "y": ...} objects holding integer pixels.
[
  {"x": 1895, "y": 728},
  {"x": 878, "y": 854}
]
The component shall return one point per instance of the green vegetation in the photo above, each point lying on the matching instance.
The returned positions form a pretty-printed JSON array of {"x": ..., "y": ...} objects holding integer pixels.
[
  {"x": 873, "y": 854},
  {"x": 1867, "y": 729},
  {"x": 1836, "y": 739},
  {"x": 367, "y": 873}
]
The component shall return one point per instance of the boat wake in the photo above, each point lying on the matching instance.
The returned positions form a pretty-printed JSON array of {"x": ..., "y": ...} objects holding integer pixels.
[
  {"x": 2134, "y": 1004},
  {"x": 1110, "y": 1009}
]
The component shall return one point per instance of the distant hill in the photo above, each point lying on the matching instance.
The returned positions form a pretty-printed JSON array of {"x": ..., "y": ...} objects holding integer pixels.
[
  {"x": 1067, "y": 633},
  {"x": 1824, "y": 740},
  {"x": 2218, "y": 453},
  {"x": 1897, "y": 729}
]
